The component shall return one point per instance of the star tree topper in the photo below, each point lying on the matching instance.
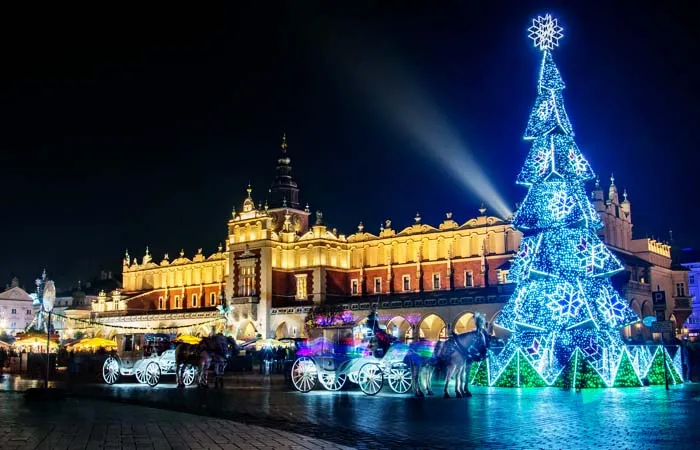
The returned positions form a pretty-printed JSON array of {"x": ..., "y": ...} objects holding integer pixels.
[{"x": 545, "y": 32}]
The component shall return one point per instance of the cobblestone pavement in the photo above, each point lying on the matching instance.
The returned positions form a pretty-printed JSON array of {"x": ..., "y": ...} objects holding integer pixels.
[
  {"x": 88, "y": 424},
  {"x": 493, "y": 418}
]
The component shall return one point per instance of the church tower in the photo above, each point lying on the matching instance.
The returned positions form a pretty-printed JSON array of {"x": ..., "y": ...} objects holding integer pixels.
[{"x": 284, "y": 191}]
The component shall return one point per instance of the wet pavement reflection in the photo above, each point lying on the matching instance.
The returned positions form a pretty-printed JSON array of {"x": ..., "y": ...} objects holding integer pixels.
[{"x": 647, "y": 417}]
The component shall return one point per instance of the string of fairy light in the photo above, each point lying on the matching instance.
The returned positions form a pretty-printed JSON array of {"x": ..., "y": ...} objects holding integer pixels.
[{"x": 93, "y": 323}]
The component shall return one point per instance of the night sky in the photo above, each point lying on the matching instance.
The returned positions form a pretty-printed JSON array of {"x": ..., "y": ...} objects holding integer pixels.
[{"x": 129, "y": 127}]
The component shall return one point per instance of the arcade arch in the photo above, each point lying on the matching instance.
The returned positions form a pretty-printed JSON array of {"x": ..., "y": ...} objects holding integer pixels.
[
  {"x": 246, "y": 330},
  {"x": 465, "y": 322},
  {"x": 399, "y": 327},
  {"x": 433, "y": 328}
]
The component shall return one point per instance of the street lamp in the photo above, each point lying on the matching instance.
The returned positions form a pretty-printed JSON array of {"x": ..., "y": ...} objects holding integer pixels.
[{"x": 48, "y": 300}]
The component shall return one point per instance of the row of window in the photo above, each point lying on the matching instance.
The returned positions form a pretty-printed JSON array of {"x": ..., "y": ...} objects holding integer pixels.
[
  {"x": 193, "y": 302},
  {"x": 14, "y": 311},
  {"x": 406, "y": 283}
]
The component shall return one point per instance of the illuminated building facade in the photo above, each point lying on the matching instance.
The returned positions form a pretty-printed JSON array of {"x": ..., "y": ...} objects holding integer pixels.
[
  {"x": 279, "y": 260},
  {"x": 648, "y": 264},
  {"x": 16, "y": 309}
]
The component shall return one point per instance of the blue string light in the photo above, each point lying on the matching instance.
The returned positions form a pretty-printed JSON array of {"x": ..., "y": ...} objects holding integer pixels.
[{"x": 564, "y": 304}]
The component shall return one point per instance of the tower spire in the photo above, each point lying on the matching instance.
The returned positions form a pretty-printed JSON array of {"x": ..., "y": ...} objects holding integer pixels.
[{"x": 284, "y": 187}]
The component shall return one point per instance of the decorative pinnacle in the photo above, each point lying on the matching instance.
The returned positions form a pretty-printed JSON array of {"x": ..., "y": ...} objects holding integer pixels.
[
  {"x": 387, "y": 223},
  {"x": 482, "y": 209},
  {"x": 545, "y": 32},
  {"x": 417, "y": 218},
  {"x": 182, "y": 252},
  {"x": 306, "y": 208},
  {"x": 284, "y": 143},
  {"x": 249, "y": 189},
  {"x": 624, "y": 194},
  {"x": 147, "y": 251},
  {"x": 220, "y": 247},
  {"x": 360, "y": 227},
  {"x": 612, "y": 179},
  {"x": 448, "y": 215}
]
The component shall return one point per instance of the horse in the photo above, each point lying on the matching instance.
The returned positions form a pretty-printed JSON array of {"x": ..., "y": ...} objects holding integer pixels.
[
  {"x": 459, "y": 352},
  {"x": 417, "y": 359},
  {"x": 456, "y": 354},
  {"x": 212, "y": 351}
]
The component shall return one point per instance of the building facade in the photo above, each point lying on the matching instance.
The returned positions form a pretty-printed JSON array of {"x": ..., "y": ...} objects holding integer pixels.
[
  {"x": 278, "y": 262},
  {"x": 648, "y": 264},
  {"x": 16, "y": 309},
  {"x": 691, "y": 261}
]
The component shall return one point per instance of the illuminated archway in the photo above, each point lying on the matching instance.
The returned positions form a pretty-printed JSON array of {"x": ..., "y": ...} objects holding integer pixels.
[
  {"x": 465, "y": 322},
  {"x": 433, "y": 328},
  {"x": 282, "y": 331},
  {"x": 400, "y": 328},
  {"x": 246, "y": 330}
]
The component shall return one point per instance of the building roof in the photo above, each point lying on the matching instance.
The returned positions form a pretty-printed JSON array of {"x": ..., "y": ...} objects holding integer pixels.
[
  {"x": 16, "y": 294},
  {"x": 629, "y": 258}
]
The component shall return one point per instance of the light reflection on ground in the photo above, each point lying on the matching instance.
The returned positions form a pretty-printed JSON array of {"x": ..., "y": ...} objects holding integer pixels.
[{"x": 499, "y": 418}]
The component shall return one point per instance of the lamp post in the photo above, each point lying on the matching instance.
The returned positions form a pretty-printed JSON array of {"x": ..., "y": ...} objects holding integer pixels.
[{"x": 48, "y": 299}]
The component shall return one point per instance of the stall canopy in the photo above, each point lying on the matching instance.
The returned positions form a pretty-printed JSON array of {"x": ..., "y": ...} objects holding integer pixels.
[
  {"x": 187, "y": 339},
  {"x": 33, "y": 344},
  {"x": 92, "y": 344}
]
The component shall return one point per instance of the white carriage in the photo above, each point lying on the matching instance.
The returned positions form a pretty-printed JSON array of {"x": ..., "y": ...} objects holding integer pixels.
[
  {"x": 339, "y": 356},
  {"x": 145, "y": 356}
]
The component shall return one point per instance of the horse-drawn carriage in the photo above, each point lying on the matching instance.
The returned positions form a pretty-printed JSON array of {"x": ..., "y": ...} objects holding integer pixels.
[
  {"x": 355, "y": 354},
  {"x": 147, "y": 357}
]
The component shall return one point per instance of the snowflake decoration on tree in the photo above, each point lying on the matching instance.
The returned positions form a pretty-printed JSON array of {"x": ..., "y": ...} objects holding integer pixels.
[
  {"x": 612, "y": 307},
  {"x": 561, "y": 205},
  {"x": 578, "y": 162},
  {"x": 565, "y": 301},
  {"x": 592, "y": 351},
  {"x": 536, "y": 350},
  {"x": 591, "y": 257},
  {"x": 523, "y": 260},
  {"x": 545, "y": 32},
  {"x": 541, "y": 160}
]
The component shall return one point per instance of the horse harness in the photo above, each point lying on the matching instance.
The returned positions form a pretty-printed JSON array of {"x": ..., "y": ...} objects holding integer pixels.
[{"x": 470, "y": 354}]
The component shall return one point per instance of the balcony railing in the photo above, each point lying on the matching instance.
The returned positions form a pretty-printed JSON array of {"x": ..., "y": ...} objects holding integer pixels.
[
  {"x": 252, "y": 299},
  {"x": 638, "y": 287},
  {"x": 681, "y": 303}
]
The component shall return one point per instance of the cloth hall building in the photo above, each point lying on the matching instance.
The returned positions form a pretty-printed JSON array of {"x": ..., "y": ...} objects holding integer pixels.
[{"x": 279, "y": 261}]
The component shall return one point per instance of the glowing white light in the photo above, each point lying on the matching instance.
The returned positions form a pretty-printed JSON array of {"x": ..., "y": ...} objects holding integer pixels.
[{"x": 545, "y": 32}]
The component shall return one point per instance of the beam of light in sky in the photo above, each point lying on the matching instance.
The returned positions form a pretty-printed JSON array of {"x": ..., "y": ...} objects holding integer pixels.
[{"x": 413, "y": 113}]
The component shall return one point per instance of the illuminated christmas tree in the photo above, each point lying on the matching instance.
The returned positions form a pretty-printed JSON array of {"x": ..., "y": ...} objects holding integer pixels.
[{"x": 564, "y": 313}]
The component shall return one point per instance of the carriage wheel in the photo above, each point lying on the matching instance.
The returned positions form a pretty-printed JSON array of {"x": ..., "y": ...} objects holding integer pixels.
[
  {"x": 333, "y": 381},
  {"x": 400, "y": 378},
  {"x": 304, "y": 374},
  {"x": 110, "y": 370},
  {"x": 189, "y": 375},
  {"x": 140, "y": 375},
  {"x": 152, "y": 373},
  {"x": 370, "y": 379}
]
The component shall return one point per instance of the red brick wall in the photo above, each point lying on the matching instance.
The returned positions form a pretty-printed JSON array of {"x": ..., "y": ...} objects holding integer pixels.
[
  {"x": 429, "y": 270},
  {"x": 397, "y": 281},
  {"x": 337, "y": 283},
  {"x": 370, "y": 275},
  {"x": 282, "y": 283}
]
